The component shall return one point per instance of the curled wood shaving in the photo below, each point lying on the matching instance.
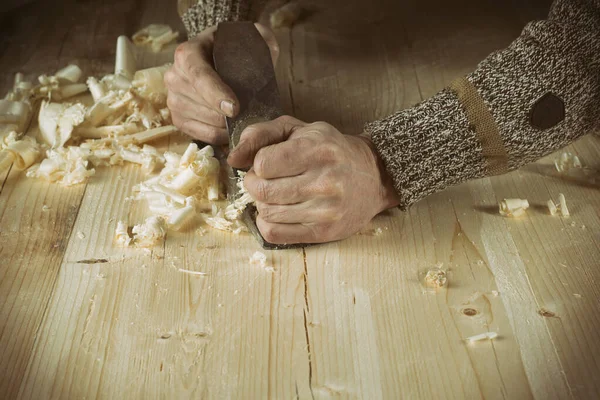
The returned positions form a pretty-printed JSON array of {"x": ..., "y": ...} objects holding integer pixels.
[
  {"x": 567, "y": 162},
  {"x": 149, "y": 233},
  {"x": 513, "y": 207},
  {"x": 561, "y": 208},
  {"x": 436, "y": 278},
  {"x": 23, "y": 152},
  {"x": 57, "y": 121},
  {"x": 155, "y": 36},
  {"x": 122, "y": 237}
]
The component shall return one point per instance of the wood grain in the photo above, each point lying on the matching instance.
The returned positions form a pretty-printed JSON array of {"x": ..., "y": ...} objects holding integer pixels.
[{"x": 81, "y": 317}]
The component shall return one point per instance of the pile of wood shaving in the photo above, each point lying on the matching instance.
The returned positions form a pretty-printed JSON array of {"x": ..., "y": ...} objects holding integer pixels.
[{"x": 128, "y": 111}]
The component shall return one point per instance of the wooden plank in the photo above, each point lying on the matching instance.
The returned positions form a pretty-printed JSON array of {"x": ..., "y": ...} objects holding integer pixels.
[
  {"x": 520, "y": 297},
  {"x": 144, "y": 329},
  {"x": 34, "y": 239},
  {"x": 533, "y": 260},
  {"x": 434, "y": 54},
  {"x": 558, "y": 260},
  {"x": 347, "y": 319}
]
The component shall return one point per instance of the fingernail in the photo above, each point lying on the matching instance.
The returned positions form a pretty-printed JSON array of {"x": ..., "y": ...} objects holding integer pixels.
[{"x": 227, "y": 107}]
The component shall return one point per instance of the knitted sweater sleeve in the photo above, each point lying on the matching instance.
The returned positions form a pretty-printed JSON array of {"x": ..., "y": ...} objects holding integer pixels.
[
  {"x": 520, "y": 104},
  {"x": 198, "y": 15}
]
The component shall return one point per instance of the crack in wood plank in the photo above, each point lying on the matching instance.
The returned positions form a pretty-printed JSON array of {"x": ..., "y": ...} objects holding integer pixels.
[{"x": 307, "y": 310}]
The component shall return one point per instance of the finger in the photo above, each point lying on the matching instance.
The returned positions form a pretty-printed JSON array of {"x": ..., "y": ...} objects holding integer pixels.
[
  {"x": 305, "y": 212},
  {"x": 176, "y": 82},
  {"x": 287, "y": 233},
  {"x": 188, "y": 108},
  {"x": 194, "y": 60},
  {"x": 256, "y": 136},
  {"x": 200, "y": 131},
  {"x": 292, "y": 190},
  {"x": 269, "y": 37},
  {"x": 286, "y": 159}
]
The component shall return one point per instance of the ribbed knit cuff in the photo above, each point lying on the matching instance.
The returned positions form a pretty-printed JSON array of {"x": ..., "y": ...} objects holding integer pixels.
[
  {"x": 198, "y": 15},
  {"x": 428, "y": 147}
]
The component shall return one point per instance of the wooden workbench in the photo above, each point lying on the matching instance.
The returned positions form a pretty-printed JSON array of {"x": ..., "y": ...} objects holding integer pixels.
[{"x": 343, "y": 320}]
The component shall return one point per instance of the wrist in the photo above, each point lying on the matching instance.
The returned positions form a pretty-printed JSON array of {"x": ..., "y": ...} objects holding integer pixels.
[{"x": 387, "y": 195}]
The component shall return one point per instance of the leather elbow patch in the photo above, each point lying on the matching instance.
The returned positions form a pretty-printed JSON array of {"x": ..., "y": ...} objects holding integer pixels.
[
  {"x": 547, "y": 112},
  {"x": 486, "y": 129}
]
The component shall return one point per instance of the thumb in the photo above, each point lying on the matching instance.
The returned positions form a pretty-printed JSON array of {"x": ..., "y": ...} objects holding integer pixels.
[{"x": 260, "y": 135}]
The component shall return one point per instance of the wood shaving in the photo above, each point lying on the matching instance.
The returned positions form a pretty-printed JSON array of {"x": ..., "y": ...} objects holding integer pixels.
[
  {"x": 67, "y": 166},
  {"x": 122, "y": 237},
  {"x": 60, "y": 86},
  {"x": 482, "y": 336},
  {"x": 22, "y": 152},
  {"x": 561, "y": 208},
  {"x": 259, "y": 259},
  {"x": 564, "y": 211},
  {"x": 567, "y": 162},
  {"x": 187, "y": 271},
  {"x": 155, "y": 37},
  {"x": 513, "y": 207},
  {"x": 125, "y": 64},
  {"x": 57, "y": 121},
  {"x": 552, "y": 207},
  {"x": 436, "y": 278},
  {"x": 14, "y": 115},
  {"x": 149, "y": 233},
  {"x": 128, "y": 111},
  {"x": 237, "y": 207}
]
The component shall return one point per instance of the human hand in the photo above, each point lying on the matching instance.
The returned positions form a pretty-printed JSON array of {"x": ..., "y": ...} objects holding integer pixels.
[
  {"x": 197, "y": 97},
  {"x": 311, "y": 183}
]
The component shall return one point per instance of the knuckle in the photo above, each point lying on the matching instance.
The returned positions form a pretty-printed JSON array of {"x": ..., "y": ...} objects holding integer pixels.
[
  {"x": 181, "y": 53},
  {"x": 262, "y": 191},
  {"x": 260, "y": 163},
  {"x": 249, "y": 132},
  {"x": 329, "y": 186},
  {"x": 330, "y": 214},
  {"x": 173, "y": 102},
  {"x": 267, "y": 213},
  {"x": 286, "y": 119},
  {"x": 330, "y": 152},
  {"x": 169, "y": 78}
]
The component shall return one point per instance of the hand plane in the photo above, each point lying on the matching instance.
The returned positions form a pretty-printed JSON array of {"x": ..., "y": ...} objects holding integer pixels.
[{"x": 243, "y": 61}]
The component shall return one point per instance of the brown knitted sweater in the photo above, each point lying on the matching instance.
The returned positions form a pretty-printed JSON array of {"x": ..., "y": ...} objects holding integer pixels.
[{"x": 520, "y": 104}]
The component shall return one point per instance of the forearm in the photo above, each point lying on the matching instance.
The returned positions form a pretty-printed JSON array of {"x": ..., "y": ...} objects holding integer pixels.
[
  {"x": 198, "y": 15},
  {"x": 508, "y": 112}
]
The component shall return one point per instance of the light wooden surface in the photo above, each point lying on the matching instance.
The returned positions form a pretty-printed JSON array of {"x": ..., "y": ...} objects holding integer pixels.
[{"x": 343, "y": 320}]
